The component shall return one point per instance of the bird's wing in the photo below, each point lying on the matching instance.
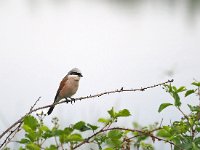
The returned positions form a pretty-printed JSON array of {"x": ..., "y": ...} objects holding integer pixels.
[{"x": 62, "y": 84}]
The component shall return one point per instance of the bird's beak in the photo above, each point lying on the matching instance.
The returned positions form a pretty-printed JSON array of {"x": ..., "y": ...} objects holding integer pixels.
[{"x": 80, "y": 75}]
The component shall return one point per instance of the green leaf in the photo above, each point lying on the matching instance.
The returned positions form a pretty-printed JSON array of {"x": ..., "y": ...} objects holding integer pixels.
[
  {"x": 20, "y": 148},
  {"x": 24, "y": 141},
  {"x": 191, "y": 121},
  {"x": 109, "y": 148},
  {"x": 163, "y": 133},
  {"x": 47, "y": 134},
  {"x": 169, "y": 88},
  {"x": 112, "y": 113},
  {"x": 123, "y": 113},
  {"x": 31, "y": 136},
  {"x": 136, "y": 125},
  {"x": 81, "y": 126},
  {"x": 32, "y": 146},
  {"x": 181, "y": 89},
  {"x": 75, "y": 137},
  {"x": 189, "y": 92},
  {"x": 57, "y": 132},
  {"x": 194, "y": 108},
  {"x": 27, "y": 128},
  {"x": 197, "y": 129},
  {"x": 174, "y": 88},
  {"x": 163, "y": 106},
  {"x": 196, "y": 83},
  {"x": 115, "y": 134},
  {"x": 44, "y": 128},
  {"x": 63, "y": 138},
  {"x": 115, "y": 143},
  {"x": 93, "y": 127},
  {"x": 146, "y": 146},
  {"x": 197, "y": 140},
  {"x": 103, "y": 120},
  {"x": 176, "y": 99},
  {"x": 52, "y": 147},
  {"x": 31, "y": 122},
  {"x": 68, "y": 131},
  {"x": 194, "y": 146}
]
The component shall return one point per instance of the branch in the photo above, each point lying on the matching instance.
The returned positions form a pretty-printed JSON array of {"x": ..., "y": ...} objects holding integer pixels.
[
  {"x": 145, "y": 133},
  {"x": 19, "y": 123},
  {"x": 76, "y": 99},
  {"x": 13, "y": 133},
  {"x": 148, "y": 133},
  {"x": 104, "y": 93}
]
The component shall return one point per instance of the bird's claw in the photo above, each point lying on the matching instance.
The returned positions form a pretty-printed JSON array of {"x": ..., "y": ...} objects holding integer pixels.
[
  {"x": 67, "y": 100},
  {"x": 72, "y": 100}
]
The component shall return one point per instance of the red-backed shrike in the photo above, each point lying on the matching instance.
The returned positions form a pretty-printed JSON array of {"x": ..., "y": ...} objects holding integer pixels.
[{"x": 68, "y": 86}]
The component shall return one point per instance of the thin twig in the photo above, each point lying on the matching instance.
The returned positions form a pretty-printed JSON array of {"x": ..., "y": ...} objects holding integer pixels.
[
  {"x": 186, "y": 117},
  {"x": 143, "y": 132},
  {"x": 19, "y": 122},
  {"x": 101, "y": 94},
  {"x": 161, "y": 123},
  {"x": 183, "y": 113},
  {"x": 149, "y": 133},
  {"x": 9, "y": 137},
  {"x": 34, "y": 104}
]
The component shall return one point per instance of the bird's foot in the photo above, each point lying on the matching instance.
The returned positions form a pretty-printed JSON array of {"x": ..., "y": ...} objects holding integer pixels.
[
  {"x": 67, "y": 100},
  {"x": 72, "y": 100}
]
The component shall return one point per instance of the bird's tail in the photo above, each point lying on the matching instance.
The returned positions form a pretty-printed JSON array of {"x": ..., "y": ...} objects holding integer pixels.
[
  {"x": 56, "y": 99},
  {"x": 50, "y": 110}
]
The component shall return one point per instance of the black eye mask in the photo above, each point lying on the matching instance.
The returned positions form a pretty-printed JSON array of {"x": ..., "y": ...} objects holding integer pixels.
[{"x": 76, "y": 73}]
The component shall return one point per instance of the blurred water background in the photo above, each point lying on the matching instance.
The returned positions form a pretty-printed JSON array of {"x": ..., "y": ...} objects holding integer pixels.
[{"x": 116, "y": 43}]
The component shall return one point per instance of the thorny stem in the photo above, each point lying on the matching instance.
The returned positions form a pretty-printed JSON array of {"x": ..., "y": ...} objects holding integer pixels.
[
  {"x": 13, "y": 133},
  {"x": 149, "y": 133},
  {"x": 183, "y": 113},
  {"x": 192, "y": 129},
  {"x": 87, "y": 139},
  {"x": 17, "y": 129}
]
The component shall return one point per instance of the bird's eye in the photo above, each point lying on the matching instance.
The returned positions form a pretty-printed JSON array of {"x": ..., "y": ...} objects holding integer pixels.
[{"x": 73, "y": 73}]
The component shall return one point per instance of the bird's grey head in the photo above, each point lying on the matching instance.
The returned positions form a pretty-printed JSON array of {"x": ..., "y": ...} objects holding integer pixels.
[{"x": 75, "y": 71}]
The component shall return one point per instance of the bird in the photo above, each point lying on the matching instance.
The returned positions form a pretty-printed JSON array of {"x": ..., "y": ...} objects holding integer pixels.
[{"x": 68, "y": 87}]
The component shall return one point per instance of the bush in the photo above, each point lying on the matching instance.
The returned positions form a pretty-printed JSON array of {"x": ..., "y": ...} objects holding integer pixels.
[{"x": 106, "y": 135}]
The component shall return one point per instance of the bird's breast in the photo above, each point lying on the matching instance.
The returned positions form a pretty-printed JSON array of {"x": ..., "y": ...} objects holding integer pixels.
[{"x": 70, "y": 88}]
